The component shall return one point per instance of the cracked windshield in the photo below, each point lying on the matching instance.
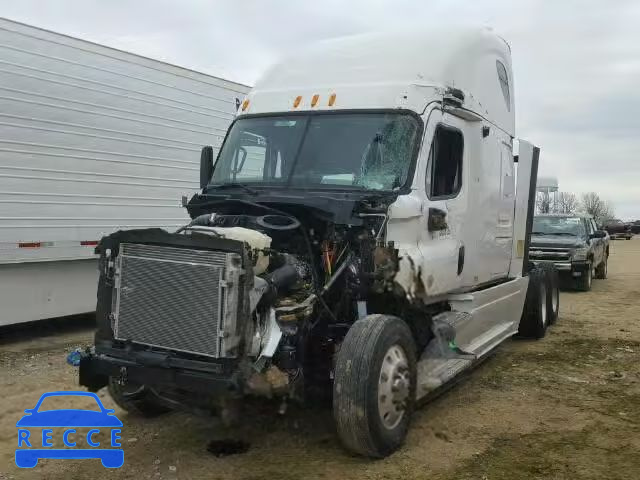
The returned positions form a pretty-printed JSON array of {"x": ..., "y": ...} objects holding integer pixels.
[{"x": 370, "y": 151}]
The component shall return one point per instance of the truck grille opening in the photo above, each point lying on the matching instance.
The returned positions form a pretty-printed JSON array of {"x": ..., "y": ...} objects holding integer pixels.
[
  {"x": 550, "y": 254},
  {"x": 171, "y": 297}
]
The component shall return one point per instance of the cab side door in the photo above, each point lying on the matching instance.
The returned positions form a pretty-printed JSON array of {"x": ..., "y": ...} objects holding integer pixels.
[{"x": 444, "y": 206}]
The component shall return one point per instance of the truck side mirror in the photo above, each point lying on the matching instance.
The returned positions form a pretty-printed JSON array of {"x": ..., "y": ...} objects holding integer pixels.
[
  {"x": 206, "y": 165},
  {"x": 437, "y": 220},
  {"x": 599, "y": 234}
]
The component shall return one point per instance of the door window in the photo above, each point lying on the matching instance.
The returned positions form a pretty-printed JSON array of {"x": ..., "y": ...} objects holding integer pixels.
[
  {"x": 444, "y": 167},
  {"x": 590, "y": 228},
  {"x": 503, "y": 78}
]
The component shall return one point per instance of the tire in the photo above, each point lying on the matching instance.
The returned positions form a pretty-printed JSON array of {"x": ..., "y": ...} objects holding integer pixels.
[
  {"x": 553, "y": 292},
  {"x": 365, "y": 406},
  {"x": 584, "y": 282},
  {"x": 601, "y": 270},
  {"x": 534, "y": 320},
  {"x": 136, "y": 399}
]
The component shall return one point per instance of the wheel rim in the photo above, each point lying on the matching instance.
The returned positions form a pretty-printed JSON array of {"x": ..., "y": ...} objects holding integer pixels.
[
  {"x": 589, "y": 275},
  {"x": 543, "y": 300},
  {"x": 394, "y": 387},
  {"x": 554, "y": 300}
]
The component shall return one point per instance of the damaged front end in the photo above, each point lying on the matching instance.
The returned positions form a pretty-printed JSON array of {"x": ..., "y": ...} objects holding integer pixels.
[{"x": 250, "y": 300}]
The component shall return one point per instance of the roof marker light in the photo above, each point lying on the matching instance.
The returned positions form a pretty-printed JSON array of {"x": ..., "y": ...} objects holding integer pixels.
[
  {"x": 245, "y": 104},
  {"x": 332, "y": 99},
  {"x": 297, "y": 101},
  {"x": 314, "y": 100},
  {"x": 29, "y": 245}
]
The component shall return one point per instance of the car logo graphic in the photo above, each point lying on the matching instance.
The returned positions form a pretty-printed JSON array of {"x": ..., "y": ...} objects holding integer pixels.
[{"x": 28, "y": 453}]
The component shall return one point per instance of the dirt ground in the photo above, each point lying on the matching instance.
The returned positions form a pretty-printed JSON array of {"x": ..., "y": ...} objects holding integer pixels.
[{"x": 565, "y": 407}]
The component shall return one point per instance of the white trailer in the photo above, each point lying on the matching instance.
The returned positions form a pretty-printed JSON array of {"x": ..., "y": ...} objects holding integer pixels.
[{"x": 92, "y": 140}]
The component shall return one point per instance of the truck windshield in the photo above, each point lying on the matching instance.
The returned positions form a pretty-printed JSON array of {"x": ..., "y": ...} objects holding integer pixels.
[
  {"x": 558, "y": 226},
  {"x": 352, "y": 150}
]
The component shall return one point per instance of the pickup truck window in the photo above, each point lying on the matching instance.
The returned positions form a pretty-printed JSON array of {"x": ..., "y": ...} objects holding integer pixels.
[
  {"x": 559, "y": 226},
  {"x": 373, "y": 151}
]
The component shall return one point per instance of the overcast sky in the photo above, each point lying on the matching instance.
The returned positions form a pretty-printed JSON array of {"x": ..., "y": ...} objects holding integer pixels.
[{"x": 576, "y": 62}]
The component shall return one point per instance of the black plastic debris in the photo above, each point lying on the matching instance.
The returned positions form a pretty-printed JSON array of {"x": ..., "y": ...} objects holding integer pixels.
[{"x": 222, "y": 448}]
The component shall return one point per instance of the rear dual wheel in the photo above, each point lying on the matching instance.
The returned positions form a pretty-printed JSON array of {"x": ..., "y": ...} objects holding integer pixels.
[
  {"x": 553, "y": 292},
  {"x": 542, "y": 303}
]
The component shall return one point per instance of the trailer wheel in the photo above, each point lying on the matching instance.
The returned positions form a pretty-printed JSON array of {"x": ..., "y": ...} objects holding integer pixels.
[
  {"x": 135, "y": 399},
  {"x": 374, "y": 386},
  {"x": 553, "y": 292},
  {"x": 601, "y": 270},
  {"x": 584, "y": 282},
  {"x": 535, "y": 319}
]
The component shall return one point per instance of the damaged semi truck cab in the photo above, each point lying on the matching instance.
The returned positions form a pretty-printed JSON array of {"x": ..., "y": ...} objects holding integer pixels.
[{"x": 360, "y": 238}]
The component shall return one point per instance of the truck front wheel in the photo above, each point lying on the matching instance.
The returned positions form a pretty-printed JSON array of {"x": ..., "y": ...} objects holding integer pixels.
[
  {"x": 374, "y": 386},
  {"x": 135, "y": 399}
]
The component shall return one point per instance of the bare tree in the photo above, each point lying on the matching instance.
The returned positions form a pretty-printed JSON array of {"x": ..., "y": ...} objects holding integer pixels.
[
  {"x": 543, "y": 202},
  {"x": 599, "y": 209},
  {"x": 567, "y": 202}
]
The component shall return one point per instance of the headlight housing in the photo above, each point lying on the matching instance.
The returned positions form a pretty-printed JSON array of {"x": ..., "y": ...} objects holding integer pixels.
[{"x": 580, "y": 253}]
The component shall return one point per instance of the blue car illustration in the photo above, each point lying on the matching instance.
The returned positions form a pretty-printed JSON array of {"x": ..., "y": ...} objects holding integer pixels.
[{"x": 30, "y": 453}]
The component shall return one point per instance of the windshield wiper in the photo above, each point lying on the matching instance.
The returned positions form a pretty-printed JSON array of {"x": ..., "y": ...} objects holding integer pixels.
[
  {"x": 241, "y": 186},
  {"x": 538, "y": 233},
  {"x": 562, "y": 233}
]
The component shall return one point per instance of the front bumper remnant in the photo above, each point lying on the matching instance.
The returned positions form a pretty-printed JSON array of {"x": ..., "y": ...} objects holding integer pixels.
[{"x": 158, "y": 369}]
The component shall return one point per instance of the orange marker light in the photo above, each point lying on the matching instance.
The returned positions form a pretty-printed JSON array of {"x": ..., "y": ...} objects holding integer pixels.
[
  {"x": 245, "y": 104},
  {"x": 297, "y": 101},
  {"x": 332, "y": 99},
  {"x": 29, "y": 245},
  {"x": 314, "y": 100}
]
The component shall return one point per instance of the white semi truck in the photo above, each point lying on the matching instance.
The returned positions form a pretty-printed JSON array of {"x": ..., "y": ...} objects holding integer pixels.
[
  {"x": 362, "y": 236},
  {"x": 92, "y": 140}
]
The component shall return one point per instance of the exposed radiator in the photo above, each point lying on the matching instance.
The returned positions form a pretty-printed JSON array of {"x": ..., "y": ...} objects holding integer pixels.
[{"x": 175, "y": 298}]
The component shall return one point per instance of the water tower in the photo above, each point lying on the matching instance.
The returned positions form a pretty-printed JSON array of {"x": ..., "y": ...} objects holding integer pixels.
[{"x": 547, "y": 194}]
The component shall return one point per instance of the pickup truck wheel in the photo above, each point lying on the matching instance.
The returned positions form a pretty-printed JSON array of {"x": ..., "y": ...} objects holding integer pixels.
[
  {"x": 583, "y": 283},
  {"x": 535, "y": 320},
  {"x": 601, "y": 270},
  {"x": 375, "y": 384},
  {"x": 135, "y": 399}
]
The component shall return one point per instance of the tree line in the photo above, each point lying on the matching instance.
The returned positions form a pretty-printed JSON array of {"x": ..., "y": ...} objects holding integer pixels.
[{"x": 568, "y": 203}]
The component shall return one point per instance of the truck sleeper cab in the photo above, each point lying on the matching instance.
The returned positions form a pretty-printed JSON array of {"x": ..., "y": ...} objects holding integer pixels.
[{"x": 360, "y": 238}]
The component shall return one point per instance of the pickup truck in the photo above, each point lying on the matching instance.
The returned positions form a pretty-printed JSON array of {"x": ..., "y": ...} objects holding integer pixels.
[
  {"x": 618, "y": 229},
  {"x": 574, "y": 244}
]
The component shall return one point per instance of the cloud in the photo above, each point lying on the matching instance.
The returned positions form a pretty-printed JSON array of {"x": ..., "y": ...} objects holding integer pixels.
[{"x": 576, "y": 62}]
